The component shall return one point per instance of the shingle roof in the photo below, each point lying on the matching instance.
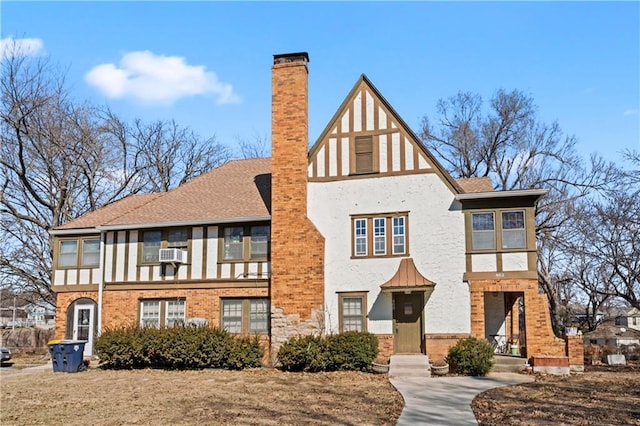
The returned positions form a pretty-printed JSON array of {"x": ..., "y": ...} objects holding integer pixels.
[
  {"x": 239, "y": 189},
  {"x": 477, "y": 184}
]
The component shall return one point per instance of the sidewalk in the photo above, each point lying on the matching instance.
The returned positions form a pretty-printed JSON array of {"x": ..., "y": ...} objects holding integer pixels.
[{"x": 447, "y": 400}]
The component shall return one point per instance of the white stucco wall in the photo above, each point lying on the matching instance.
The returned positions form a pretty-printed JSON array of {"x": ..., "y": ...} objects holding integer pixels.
[{"x": 436, "y": 244}]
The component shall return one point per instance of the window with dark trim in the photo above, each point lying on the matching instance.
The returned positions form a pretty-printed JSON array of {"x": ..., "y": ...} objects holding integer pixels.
[
  {"x": 151, "y": 243},
  {"x": 245, "y": 316},
  {"x": 388, "y": 236},
  {"x": 82, "y": 252},
  {"x": 513, "y": 230},
  {"x": 352, "y": 309},
  {"x": 161, "y": 312},
  {"x": 245, "y": 243},
  {"x": 154, "y": 240},
  {"x": 364, "y": 154},
  {"x": 483, "y": 236}
]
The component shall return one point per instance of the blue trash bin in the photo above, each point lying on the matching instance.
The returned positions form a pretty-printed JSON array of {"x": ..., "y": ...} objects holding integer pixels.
[{"x": 66, "y": 355}]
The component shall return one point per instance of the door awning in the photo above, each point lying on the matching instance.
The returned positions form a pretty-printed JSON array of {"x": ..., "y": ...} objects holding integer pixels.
[{"x": 408, "y": 278}]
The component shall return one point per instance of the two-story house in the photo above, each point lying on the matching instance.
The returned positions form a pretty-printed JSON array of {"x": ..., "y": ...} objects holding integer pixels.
[{"x": 364, "y": 231}]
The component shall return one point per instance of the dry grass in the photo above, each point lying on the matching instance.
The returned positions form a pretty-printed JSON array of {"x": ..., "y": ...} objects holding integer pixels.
[
  {"x": 600, "y": 396},
  {"x": 252, "y": 397}
]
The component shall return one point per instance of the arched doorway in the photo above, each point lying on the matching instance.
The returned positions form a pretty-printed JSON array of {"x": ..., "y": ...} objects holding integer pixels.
[{"x": 81, "y": 323}]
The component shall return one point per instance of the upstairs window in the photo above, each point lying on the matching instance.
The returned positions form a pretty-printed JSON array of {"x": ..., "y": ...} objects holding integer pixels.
[
  {"x": 388, "y": 236},
  {"x": 68, "y": 254},
  {"x": 364, "y": 154},
  {"x": 483, "y": 231},
  {"x": 151, "y": 243},
  {"x": 90, "y": 252},
  {"x": 246, "y": 243},
  {"x": 83, "y": 252},
  {"x": 513, "y": 230},
  {"x": 360, "y": 237},
  {"x": 177, "y": 239}
]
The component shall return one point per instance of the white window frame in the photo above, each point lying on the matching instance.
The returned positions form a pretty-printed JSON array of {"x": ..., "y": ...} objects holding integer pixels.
[
  {"x": 167, "y": 312},
  {"x": 360, "y": 237},
  {"x": 145, "y": 319},
  {"x": 398, "y": 235},
  {"x": 379, "y": 235}
]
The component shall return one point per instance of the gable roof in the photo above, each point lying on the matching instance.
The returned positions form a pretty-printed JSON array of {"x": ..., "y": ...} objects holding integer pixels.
[
  {"x": 239, "y": 190},
  {"x": 365, "y": 111}
]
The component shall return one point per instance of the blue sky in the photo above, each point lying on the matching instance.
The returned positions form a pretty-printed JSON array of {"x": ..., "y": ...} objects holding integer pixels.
[{"x": 207, "y": 64}]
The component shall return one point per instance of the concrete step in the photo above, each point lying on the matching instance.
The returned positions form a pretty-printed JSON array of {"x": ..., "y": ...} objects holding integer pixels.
[
  {"x": 508, "y": 363},
  {"x": 409, "y": 366}
]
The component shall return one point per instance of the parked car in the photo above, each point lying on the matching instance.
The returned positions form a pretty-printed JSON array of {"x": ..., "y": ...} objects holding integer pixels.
[{"x": 5, "y": 355}]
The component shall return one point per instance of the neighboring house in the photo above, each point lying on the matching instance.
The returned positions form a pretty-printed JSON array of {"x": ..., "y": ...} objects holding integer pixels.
[
  {"x": 364, "y": 231},
  {"x": 611, "y": 335},
  {"x": 630, "y": 319},
  {"x": 40, "y": 314}
]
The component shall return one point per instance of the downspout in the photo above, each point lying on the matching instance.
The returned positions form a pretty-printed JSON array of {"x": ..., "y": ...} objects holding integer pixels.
[{"x": 101, "y": 279}]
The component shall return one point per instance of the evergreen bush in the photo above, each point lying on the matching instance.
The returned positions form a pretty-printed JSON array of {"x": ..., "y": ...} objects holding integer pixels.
[{"x": 471, "y": 357}]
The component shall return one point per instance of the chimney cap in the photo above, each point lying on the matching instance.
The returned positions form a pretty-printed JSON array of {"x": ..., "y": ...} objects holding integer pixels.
[{"x": 291, "y": 57}]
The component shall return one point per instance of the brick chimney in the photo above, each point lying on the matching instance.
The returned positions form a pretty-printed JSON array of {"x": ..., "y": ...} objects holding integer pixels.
[{"x": 297, "y": 248}]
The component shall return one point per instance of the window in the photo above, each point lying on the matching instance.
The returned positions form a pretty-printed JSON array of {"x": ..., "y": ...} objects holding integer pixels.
[
  {"x": 68, "y": 254},
  {"x": 156, "y": 313},
  {"x": 398, "y": 235},
  {"x": 352, "y": 308},
  {"x": 513, "y": 230},
  {"x": 233, "y": 237},
  {"x": 259, "y": 242},
  {"x": 90, "y": 252},
  {"x": 388, "y": 236},
  {"x": 379, "y": 236},
  {"x": 245, "y": 243},
  {"x": 177, "y": 239},
  {"x": 364, "y": 154},
  {"x": 83, "y": 252},
  {"x": 244, "y": 316},
  {"x": 151, "y": 242},
  {"x": 360, "y": 237},
  {"x": 483, "y": 231}
]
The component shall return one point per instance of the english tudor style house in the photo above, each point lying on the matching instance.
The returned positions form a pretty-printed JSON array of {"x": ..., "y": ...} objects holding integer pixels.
[{"x": 364, "y": 231}]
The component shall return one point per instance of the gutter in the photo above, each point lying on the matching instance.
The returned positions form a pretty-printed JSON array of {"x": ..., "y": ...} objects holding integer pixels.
[{"x": 501, "y": 194}]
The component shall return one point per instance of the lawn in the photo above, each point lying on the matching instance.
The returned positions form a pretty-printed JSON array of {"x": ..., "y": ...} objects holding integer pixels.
[
  {"x": 602, "y": 395},
  {"x": 209, "y": 397}
]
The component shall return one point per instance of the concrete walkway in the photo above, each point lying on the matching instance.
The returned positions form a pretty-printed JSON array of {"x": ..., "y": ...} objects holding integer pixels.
[{"x": 447, "y": 400}]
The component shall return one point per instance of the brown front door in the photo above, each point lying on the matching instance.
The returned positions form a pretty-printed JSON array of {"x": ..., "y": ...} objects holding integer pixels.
[{"x": 407, "y": 318}]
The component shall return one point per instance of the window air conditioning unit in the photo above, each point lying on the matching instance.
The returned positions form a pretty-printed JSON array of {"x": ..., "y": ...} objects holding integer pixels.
[{"x": 173, "y": 255}]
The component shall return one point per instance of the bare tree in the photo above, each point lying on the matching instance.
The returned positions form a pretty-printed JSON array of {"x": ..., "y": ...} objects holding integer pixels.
[
  {"x": 255, "y": 147},
  {"x": 174, "y": 155},
  {"x": 61, "y": 158},
  {"x": 516, "y": 150}
]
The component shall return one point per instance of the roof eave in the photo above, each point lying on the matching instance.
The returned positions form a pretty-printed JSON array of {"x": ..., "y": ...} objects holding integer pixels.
[
  {"x": 118, "y": 227},
  {"x": 502, "y": 194}
]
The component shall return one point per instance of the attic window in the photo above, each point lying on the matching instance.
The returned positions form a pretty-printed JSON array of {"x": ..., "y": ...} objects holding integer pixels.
[{"x": 364, "y": 154}]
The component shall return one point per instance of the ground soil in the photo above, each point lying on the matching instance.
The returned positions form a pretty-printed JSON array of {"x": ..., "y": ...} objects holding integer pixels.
[
  {"x": 208, "y": 397},
  {"x": 602, "y": 395}
]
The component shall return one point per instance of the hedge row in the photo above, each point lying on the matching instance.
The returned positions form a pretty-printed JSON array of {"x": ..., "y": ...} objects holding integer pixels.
[
  {"x": 177, "y": 348},
  {"x": 346, "y": 351}
]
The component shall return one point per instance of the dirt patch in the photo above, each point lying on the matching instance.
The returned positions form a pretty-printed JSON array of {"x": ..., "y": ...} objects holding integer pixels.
[
  {"x": 252, "y": 397},
  {"x": 602, "y": 395}
]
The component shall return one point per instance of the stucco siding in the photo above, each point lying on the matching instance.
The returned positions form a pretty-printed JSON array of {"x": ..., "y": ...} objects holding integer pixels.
[{"x": 436, "y": 244}]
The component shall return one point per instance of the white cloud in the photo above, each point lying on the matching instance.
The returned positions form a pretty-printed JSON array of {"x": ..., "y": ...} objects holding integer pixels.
[
  {"x": 630, "y": 112},
  {"x": 150, "y": 78},
  {"x": 14, "y": 47}
]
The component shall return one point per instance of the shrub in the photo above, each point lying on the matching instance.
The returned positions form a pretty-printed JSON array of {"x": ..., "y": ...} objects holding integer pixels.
[
  {"x": 353, "y": 350},
  {"x": 180, "y": 347},
  {"x": 471, "y": 356},
  {"x": 345, "y": 351}
]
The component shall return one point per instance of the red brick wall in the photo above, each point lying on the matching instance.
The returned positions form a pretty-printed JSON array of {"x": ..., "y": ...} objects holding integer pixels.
[
  {"x": 297, "y": 248},
  {"x": 385, "y": 345},
  {"x": 438, "y": 344},
  {"x": 575, "y": 350},
  {"x": 63, "y": 301},
  {"x": 540, "y": 339}
]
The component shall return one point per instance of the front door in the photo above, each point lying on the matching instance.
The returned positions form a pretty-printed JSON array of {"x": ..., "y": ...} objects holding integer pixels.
[
  {"x": 407, "y": 318},
  {"x": 83, "y": 326}
]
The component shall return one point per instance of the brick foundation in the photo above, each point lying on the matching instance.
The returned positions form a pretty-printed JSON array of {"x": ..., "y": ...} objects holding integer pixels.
[
  {"x": 385, "y": 345},
  {"x": 438, "y": 344}
]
